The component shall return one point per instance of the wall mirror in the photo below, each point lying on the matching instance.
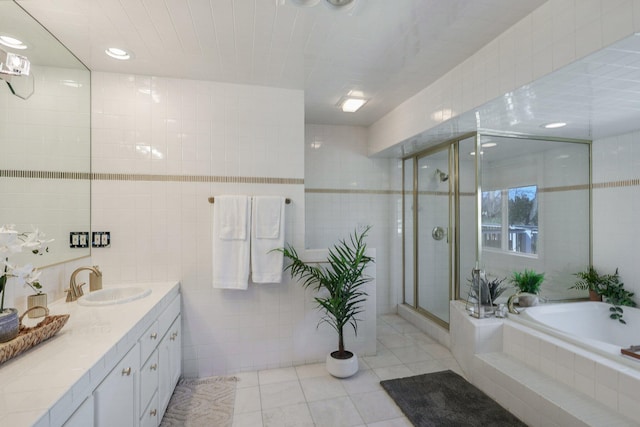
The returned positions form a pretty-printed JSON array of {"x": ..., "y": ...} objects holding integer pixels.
[{"x": 45, "y": 146}]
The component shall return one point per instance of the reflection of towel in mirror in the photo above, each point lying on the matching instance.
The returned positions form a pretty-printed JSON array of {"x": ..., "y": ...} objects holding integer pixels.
[
  {"x": 231, "y": 242},
  {"x": 267, "y": 233}
]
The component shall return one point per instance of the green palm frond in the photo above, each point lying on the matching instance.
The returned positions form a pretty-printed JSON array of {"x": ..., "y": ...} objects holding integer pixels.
[{"x": 343, "y": 279}]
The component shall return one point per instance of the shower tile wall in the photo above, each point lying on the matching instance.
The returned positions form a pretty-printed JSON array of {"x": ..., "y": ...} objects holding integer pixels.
[
  {"x": 345, "y": 190},
  {"x": 160, "y": 128},
  {"x": 616, "y": 207}
]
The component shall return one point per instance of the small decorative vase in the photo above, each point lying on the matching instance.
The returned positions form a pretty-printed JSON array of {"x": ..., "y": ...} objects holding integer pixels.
[
  {"x": 527, "y": 300},
  {"x": 342, "y": 368},
  {"x": 9, "y": 324},
  {"x": 35, "y": 301},
  {"x": 594, "y": 296}
]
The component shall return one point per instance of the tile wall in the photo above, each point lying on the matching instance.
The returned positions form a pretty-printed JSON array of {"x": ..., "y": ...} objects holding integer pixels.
[
  {"x": 161, "y": 147},
  {"x": 346, "y": 190},
  {"x": 616, "y": 207}
]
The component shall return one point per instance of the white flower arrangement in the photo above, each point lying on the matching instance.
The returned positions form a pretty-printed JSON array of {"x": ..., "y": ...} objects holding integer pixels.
[{"x": 12, "y": 242}]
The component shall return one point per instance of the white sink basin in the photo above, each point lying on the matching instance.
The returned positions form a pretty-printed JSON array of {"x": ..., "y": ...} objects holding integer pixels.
[{"x": 110, "y": 296}]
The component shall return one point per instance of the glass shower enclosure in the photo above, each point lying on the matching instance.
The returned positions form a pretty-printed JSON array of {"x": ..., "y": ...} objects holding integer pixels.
[{"x": 499, "y": 203}]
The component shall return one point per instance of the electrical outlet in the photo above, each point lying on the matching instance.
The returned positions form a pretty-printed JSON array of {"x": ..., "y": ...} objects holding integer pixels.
[
  {"x": 101, "y": 239},
  {"x": 78, "y": 239}
]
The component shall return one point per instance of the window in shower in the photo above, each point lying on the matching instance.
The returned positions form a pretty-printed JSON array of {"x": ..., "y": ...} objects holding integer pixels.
[{"x": 510, "y": 219}]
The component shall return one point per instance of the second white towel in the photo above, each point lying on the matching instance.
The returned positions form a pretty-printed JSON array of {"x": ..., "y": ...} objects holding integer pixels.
[{"x": 267, "y": 233}]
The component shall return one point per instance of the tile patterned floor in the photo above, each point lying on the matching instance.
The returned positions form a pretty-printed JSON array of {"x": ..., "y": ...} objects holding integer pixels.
[{"x": 308, "y": 396}]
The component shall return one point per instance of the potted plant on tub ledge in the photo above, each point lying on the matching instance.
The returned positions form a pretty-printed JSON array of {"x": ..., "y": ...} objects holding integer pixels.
[
  {"x": 528, "y": 283},
  {"x": 341, "y": 293}
]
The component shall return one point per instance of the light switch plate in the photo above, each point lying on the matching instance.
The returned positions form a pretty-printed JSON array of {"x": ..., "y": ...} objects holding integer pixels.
[
  {"x": 79, "y": 239},
  {"x": 101, "y": 239}
]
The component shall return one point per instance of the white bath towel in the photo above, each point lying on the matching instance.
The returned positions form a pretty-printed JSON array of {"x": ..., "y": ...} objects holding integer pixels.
[
  {"x": 231, "y": 242},
  {"x": 267, "y": 233},
  {"x": 232, "y": 213}
]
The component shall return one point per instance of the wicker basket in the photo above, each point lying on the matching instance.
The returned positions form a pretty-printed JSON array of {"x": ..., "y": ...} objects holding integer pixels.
[{"x": 31, "y": 336}]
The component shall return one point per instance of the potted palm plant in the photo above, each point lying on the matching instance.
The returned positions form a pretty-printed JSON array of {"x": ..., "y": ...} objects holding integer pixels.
[
  {"x": 342, "y": 282},
  {"x": 593, "y": 281},
  {"x": 528, "y": 283}
]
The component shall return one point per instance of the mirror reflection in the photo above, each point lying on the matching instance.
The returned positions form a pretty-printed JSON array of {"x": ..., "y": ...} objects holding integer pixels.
[
  {"x": 45, "y": 138},
  {"x": 535, "y": 210}
]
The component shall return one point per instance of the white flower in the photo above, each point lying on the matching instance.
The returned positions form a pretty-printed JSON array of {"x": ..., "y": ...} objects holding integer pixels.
[
  {"x": 35, "y": 242},
  {"x": 9, "y": 241},
  {"x": 24, "y": 275}
]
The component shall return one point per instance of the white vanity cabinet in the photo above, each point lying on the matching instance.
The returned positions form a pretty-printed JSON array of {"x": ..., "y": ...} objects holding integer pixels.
[
  {"x": 83, "y": 416},
  {"x": 136, "y": 392},
  {"x": 161, "y": 368},
  {"x": 115, "y": 398},
  {"x": 170, "y": 360}
]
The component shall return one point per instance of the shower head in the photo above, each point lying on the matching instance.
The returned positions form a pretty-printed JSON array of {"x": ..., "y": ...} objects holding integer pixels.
[{"x": 443, "y": 177}]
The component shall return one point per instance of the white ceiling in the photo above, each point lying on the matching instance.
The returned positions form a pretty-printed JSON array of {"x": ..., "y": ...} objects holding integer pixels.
[
  {"x": 388, "y": 49},
  {"x": 597, "y": 96}
]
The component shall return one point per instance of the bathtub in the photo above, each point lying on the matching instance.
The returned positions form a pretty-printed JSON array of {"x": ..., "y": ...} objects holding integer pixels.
[
  {"x": 588, "y": 325},
  {"x": 578, "y": 345}
]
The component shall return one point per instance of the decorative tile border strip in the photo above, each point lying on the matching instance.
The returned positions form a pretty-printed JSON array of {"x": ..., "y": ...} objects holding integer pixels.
[
  {"x": 349, "y": 191},
  {"x": 195, "y": 178},
  {"x": 564, "y": 188},
  {"x": 623, "y": 183},
  {"x": 148, "y": 177},
  {"x": 102, "y": 176},
  {"x": 4, "y": 173}
]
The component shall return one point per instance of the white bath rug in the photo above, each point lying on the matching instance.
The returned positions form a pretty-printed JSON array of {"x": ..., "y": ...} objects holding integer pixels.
[{"x": 201, "y": 402}]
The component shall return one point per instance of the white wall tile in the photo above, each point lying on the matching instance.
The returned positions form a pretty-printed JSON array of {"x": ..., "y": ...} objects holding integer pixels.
[{"x": 160, "y": 230}]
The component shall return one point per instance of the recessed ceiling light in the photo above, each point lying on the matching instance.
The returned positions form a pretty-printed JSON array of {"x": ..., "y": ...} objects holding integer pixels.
[
  {"x": 351, "y": 105},
  {"x": 352, "y": 102},
  {"x": 12, "y": 42},
  {"x": 554, "y": 125},
  {"x": 118, "y": 53}
]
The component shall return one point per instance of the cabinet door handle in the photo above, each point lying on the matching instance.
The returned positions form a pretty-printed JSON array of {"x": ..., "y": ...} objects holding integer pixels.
[
  {"x": 154, "y": 366},
  {"x": 126, "y": 371},
  {"x": 154, "y": 335},
  {"x": 153, "y": 412},
  {"x": 173, "y": 336}
]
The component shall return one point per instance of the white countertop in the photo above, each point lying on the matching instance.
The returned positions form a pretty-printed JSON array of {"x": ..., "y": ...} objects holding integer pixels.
[{"x": 43, "y": 386}]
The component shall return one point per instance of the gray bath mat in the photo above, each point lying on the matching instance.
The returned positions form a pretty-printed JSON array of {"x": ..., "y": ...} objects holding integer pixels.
[
  {"x": 201, "y": 402},
  {"x": 445, "y": 399}
]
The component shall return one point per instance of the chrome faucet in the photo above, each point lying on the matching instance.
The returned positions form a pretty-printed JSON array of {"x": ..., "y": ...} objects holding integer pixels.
[{"x": 95, "y": 279}]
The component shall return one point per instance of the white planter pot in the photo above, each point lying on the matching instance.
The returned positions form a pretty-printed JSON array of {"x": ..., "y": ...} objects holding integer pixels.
[
  {"x": 527, "y": 300},
  {"x": 37, "y": 300},
  {"x": 342, "y": 368}
]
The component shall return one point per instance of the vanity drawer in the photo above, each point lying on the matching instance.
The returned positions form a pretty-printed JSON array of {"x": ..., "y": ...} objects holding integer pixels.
[
  {"x": 148, "y": 379},
  {"x": 151, "y": 416},
  {"x": 168, "y": 315},
  {"x": 149, "y": 341}
]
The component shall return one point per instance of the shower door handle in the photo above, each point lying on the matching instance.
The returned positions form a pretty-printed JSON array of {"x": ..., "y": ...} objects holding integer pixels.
[{"x": 438, "y": 233}]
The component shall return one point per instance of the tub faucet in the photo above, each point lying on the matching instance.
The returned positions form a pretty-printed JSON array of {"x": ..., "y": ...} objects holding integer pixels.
[
  {"x": 95, "y": 279},
  {"x": 510, "y": 306}
]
